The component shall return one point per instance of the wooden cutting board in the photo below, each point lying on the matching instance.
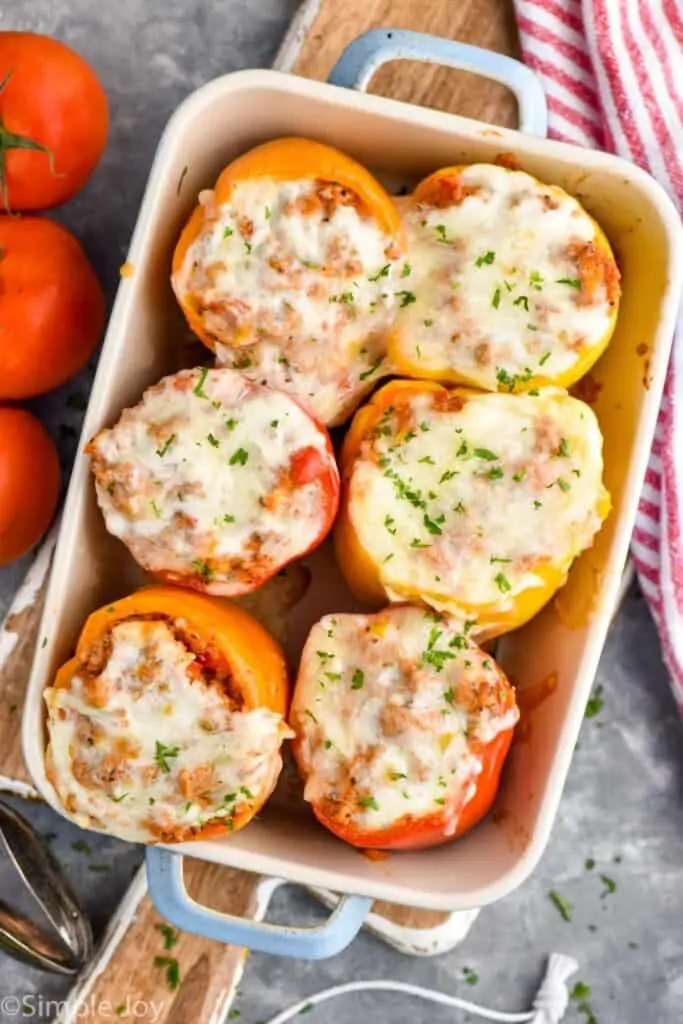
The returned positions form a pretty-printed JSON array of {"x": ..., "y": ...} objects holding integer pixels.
[{"x": 122, "y": 969}]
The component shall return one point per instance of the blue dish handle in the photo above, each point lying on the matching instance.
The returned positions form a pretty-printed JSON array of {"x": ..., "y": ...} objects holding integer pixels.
[
  {"x": 368, "y": 52},
  {"x": 170, "y": 897}
]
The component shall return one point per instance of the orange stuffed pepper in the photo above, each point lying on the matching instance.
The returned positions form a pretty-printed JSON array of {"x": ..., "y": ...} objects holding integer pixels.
[
  {"x": 515, "y": 284},
  {"x": 291, "y": 269},
  {"x": 471, "y": 502},
  {"x": 167, "y": 722},
  {"x": 402, "y": 727}
]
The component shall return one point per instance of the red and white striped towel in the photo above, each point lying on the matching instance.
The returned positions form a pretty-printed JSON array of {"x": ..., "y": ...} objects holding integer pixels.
[{"x": 613, "y": 75}]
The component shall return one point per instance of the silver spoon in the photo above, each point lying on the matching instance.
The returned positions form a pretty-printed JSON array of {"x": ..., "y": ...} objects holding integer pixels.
[{"x": 69, "y": 946}]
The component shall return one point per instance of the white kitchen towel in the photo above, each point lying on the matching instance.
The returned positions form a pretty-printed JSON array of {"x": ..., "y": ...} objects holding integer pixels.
[{"x": 613, "y": 74}]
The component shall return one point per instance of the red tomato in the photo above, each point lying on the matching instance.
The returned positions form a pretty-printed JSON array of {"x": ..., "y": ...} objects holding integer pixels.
[
  {"x": 51, "y": 306},
  {"x": 29, "y": 482},
  {"x": 53, "y": 121}
]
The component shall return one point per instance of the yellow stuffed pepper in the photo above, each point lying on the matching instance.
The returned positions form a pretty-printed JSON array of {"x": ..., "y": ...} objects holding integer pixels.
[
  {"x": 513, "y": 283},
  {"x": 474, "y": 503}
]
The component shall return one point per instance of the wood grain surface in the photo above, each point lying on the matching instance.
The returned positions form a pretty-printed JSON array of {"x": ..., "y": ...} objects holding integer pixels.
[{"x": 124, "y": 969}]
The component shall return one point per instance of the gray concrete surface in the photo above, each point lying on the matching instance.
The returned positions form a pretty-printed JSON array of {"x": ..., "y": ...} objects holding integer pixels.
[{"x": 622, "y": 805}]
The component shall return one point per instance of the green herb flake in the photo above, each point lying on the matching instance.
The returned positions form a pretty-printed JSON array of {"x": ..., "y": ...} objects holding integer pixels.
[
  {"x": 503, "y": 583},
  {"x": 227, "y": 518},
  {"x": 571, "y": 282},
  {"x": 495, "y": 300},
  {"x": 172, "y": 970},
  {"x": 369, "y": 803},
  {"x": 471, "y": 977},
  {"x": 589, "y": 864},
  {"x": 199, "y": 389},
  {"x": 486, "y": 454},
  {"x": 267, "y": 213},
  {"x": 166, "y": 445},
  {"x": 519, "y": 475},
  {"x": 495, "y": 473},
  {"x": 239, "y": 458},
  {"x": 307, "y": 1008},
  {"x": 169, "y": 935},
  {"x": 162, "y": 754},
  {"x": 389, "y": 525},
  {"x": 441, "y": 232},
  {"x": 440, "y": 800},
  {"x": 536, "y": 280},
  {"x": 248, "y": 246},
  {"x": 406, "y": 270},
  {"x": 327, "y": 744},
  {"x": 121, "y": 1010},
  {"x": 383, "y": 272},
  {"x": 544, "y": 358},
  {"x": 563, "y": 906},
  {"x": 80, "y": 846},
  {"x": 181, "y": 179},
  {"x": 428, "y": 322},
  {"x": 610, "y": 886},
  {"x": 213, "y": 440},
  {"x": 449, "y": 695},
  {"x": 580, "y": 992},
  {"x": 371, "y": 369},
  {"x": 203, "y": 569},
  {"x": 433, "y": 525},
  {"x": 406, "y": 298},
  {"x": 563, "y": 484},
  {"x": 397, "y": 776},
  {"x": 485, "y": 260},
  {"x": 228, "y": 232},
  {"x": 523, "y": 301},
  {"x": 435, "y": 657},
  {"x": 537, "y": 503},
  {"x": 357, "y": 679}
]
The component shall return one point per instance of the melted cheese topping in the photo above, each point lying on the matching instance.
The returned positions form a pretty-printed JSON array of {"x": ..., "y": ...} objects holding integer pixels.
[
  {"x": 302, "y": 270},
  {"x": 466, "y": 498},
  {"x": 330, "y": 384},
  {"x": 512, "y": 279},
  {"x": 145, "y": 746},
  {"x": 200, "y": 480},
  {"x": 391, "y": 711}
]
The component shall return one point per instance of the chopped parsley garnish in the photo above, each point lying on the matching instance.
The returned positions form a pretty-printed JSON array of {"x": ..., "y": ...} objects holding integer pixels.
[
  {"x": 486, "y": 454},
  {"x": 170, "y": 935},
  {"x": 485, "y": 260},
  {"x": 447, "y": 475},
  {"x": 239, "y": 458},
  {"x": 494, "y": 558},
  {"x": 227, "y": 232},
  {"x": 369, "y": 802},
  {"x": 523, "y": 301},
  {"x": 537, "y": 503},
  {"x": 325, "y": 655},
  {"x": 544, "y": 358},
  {"x": 471, "y": 977},
  {"x": 572, "y": 282},
  {"x": 406, "y": 270},
  {"x": 311, "y": 716},
  {"x": 327, "y": 744},
  {"x": 417, "y": 543},
  {"x": 155, "y": 509},
  {"x": 357, "y": 679},
  {"x": 371, "y": 369},
  {"x": 248, "y": 247},
  {"x": 441, "y": 231},
  {"x": 199, "y": 390},
  {"x": 519, "y": 476},
  {"x": 562, "y": 449},
  {"x": 432, "y": 656},
  {"x": 333, "y": 677},
  {"x": 162, "y": 754},
  {"x": 389, "y": 524},
  {"x": 428, "y": 322},
  {"x": 213, "y": 441},
  {"x": 203, "y": 568},
  {"x": 503, "y": 583},
  {"x": 580, "y": 992},
  {"x": 531, "y": 327},
  {"x": 406, "y": 298},
  {"x": 267, "y": 213},
  {"x": 589, "y": 864},
  {"x": 536, "y": 280},
  {"x": 595, "y": 703},
  {"x": 274, "y": 423},
  {"x": 563, "y": 484},
  {"x": 564, "y": 907},
  {"x": 449, "y": 695},
  {"x": 383, "y": 272},
  {"x": 495, "y": 473},
  {"x": 172, "y": 970},
  {"x": 166, "y": 445},
  {"x": 396, "y": 776},
  {"x": 511, "y": 379},
  {"x": 424, "y": 427},
  {"x": 388, "y": 558},
  {"x": 440, "y": 800},
  {"x": 80, "y": 846},
  {"x": 242, "y": 362},
  {"x": 246, "y": 792},
  {"x": 433, "y": 525},
  {"x": 610, "y": 885},
  {"x": 495, "y": 301},
  {"x": 427, "y": 460},
  {"x": 231, "y": 423},
  {"x": 460, "y": 507}
]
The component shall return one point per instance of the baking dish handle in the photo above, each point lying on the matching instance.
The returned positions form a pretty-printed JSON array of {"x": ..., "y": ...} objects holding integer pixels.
[
  {"x": 170, "y": 897},
  {"x": 370, "y": 51}
]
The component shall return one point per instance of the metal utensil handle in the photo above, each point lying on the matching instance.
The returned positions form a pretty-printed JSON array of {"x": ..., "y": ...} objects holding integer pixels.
[
  {"x": 170, "y": 897},
  {"x": 368, "y": 52}
]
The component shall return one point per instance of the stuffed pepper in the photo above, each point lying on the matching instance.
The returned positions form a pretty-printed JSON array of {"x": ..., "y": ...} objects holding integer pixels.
[
  {"x": 166, "y": 724},
  {"x": 295, "y": 259},
  {"x": 514, "y": 284},
  {"x": 215, "y": 482},
  {"x": 402, "y": 727},
  {"x": 472, "y": 502}
]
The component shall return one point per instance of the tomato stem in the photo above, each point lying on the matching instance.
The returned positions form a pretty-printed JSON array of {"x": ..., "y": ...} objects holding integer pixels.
[{"x": 10, "y": 140}]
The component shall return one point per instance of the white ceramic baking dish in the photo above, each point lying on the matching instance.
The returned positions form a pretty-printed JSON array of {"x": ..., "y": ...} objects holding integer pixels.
[{"x": 552, "y": 660}]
